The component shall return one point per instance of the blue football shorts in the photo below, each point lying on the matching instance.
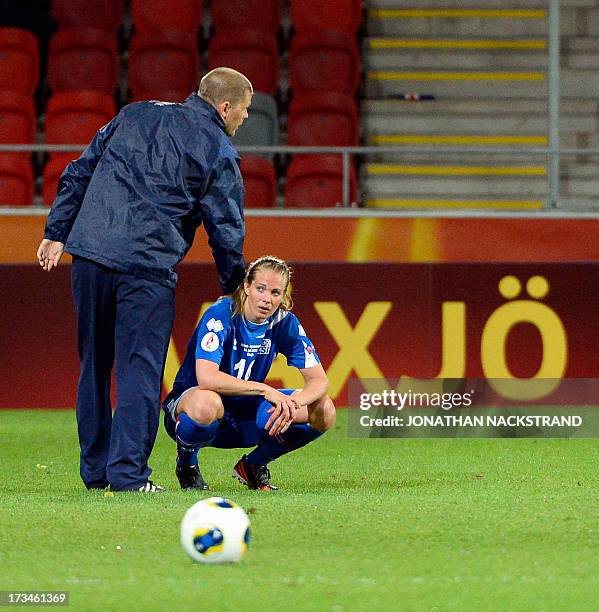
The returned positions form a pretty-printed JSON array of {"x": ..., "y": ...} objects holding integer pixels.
[{"x": 242, "y": 423}]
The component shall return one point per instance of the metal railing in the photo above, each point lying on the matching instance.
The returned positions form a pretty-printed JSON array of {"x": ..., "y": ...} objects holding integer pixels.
[
  {"x": 552, "y": 153},
  {"x": 553, "y": 103}
]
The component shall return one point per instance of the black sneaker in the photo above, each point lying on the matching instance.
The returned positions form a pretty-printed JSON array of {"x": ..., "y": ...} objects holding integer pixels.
[
  {"x": 253, "y": 476},
  {"x": 190, "y": 477},
  {"x": 150, "y": 487},
  {"x": 98, "y": 487}
]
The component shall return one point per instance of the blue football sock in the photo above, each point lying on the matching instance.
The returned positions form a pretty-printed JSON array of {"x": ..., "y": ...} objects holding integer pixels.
[
  {"x": 191, "y": 436},
  {"x": 272, "y": 447},
  {"x": 187, "y": 455}
]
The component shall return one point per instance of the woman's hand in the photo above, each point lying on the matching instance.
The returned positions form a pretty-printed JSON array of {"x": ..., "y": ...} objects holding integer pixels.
[{"x": 282, "y": 411}]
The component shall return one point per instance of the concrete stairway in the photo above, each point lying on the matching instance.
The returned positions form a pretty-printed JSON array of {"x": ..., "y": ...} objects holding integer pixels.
[{"x": 485, "y": 65}]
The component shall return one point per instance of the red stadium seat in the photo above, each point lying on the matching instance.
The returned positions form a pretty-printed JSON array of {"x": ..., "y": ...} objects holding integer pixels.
[
  {"x": 17, "y": 118},
  {"x": 16, "y": 180},
  {"x": 158, "y": 15},
  {"x": 253, "y": 52},
  {"x": 323, "y": 119},
  {"x": 314, "y": 15},
  {"x": 73, "y": 117},
  {"x": 315, "y": 181},
  {"x": 19, "y": 61},
  {"x": 160, "y": 94},
  {"x": 166, "y": 60},
  {"x": 54, "y": 168},
  {"x": 324, "y": 61},
  {"x": 17, "y": 126},
  {"x": 263, "y": 15},
  {"x": 259, "y": 181},
  {"x": 84, "y": 58},
  {"x": 102, "y": 14}
]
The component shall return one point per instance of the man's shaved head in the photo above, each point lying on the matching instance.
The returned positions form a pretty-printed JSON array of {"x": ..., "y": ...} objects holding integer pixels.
[{"x": 224, "y": 84}]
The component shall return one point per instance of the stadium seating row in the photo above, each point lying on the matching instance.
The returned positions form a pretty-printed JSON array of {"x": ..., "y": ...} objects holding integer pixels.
[
  {"x": 76, "y": 115},
  {"x": 86, "y": 58},
  {"x": 149, "y": 16},
  {"x": 83, "y": 74},
  {"x": 325, "y": 119},
  {"x": 312, "y": 181}
]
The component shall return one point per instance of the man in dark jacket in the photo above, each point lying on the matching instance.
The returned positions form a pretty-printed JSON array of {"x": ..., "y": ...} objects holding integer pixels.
[{"x": 127, "y": 211}]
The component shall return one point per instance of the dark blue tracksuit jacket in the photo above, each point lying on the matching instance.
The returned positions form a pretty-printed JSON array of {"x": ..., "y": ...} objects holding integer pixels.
[{"x": 146, "y": 182}]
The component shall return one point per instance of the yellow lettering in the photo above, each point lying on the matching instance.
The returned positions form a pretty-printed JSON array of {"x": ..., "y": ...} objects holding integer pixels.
[
  {"x": 290, "y": 378},
  {"x": 453, "y": 330},
  {"x": 173, "y": 363},
  {"x": 203, "y": 309},
  {"x": 353, "y": 343},
  {"x": 555, "y": 349},
  {"x": 171, "y": 366},
  {"x": 453, "y": 352}
]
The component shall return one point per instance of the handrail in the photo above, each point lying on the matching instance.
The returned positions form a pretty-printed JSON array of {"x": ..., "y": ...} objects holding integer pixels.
[
  {"x": 553, "y": 103},
  {"x": 360, "y": 150},
  {"x": 346, "y": 152},
  {"x": 367, "y": 213},
  {"x": 552, "y": 153}
]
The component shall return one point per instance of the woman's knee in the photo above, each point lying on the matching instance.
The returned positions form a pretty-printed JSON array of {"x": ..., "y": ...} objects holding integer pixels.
[
  {"x": 204, "y": 407},
  {"x": 322, "y": 414}
]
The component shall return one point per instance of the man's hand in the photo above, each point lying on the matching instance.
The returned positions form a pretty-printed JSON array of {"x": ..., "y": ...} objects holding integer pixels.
[
  {"x": 49, "y": 253},
  {"x": 282, "y": 412}
]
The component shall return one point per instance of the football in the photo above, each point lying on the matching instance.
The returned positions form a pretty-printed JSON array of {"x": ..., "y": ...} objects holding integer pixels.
[{"x": 215, "y": 530}]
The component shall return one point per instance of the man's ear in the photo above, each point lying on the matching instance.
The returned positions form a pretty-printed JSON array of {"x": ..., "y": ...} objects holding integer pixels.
[{"x": 224, "y": 108}]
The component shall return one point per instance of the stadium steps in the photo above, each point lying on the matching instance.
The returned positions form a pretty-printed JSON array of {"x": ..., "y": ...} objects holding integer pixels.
[
  {"x": 378, "y": 174},
  {"x": 504, "y": 124},
  {"x": 477, "y": 53},
  {"x": 472, "y": 19},
  {"x": 474, "y": 182},
  {"x": 580, "y": 44},
  {"x": 385, "y": 54},
  {"x": 415, "y": 203},
  {"x": 485, "y": 64},
  {"x": 471, "y": 83},
  {"x": 435, "y": 118},
  {"x": 435, "y": 48}
]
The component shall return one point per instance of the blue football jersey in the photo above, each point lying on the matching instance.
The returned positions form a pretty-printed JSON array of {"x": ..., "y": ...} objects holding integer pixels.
[{"x": 244, "y": 349}]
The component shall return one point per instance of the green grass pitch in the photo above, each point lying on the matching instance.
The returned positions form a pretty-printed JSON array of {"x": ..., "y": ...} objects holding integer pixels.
[{"x": 451, "y": 524}]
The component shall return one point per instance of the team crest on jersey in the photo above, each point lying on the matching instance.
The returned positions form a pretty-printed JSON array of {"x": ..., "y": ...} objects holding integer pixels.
[
  {"x": 264, "y": 347},
  {"x": 210, "y": 342},
  {"x": 309, "y": 356},
  {"x": 215, "y": 325}
]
